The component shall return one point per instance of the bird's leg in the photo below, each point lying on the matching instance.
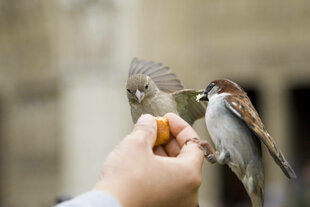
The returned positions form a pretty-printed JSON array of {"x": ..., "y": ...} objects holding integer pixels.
[
  {"x": 209, "y": 152},
  {"x": 223, "y": 157}
]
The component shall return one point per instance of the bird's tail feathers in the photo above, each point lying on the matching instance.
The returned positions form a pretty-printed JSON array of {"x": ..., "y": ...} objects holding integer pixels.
[{"x": 284, "y": 165}]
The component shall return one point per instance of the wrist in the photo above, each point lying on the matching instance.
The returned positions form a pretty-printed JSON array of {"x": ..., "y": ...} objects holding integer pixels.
[{"x": 127, "y": 197}]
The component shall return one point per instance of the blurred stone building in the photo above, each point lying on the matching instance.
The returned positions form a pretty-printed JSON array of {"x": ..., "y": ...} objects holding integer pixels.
[{"x": 63, "y": 68}]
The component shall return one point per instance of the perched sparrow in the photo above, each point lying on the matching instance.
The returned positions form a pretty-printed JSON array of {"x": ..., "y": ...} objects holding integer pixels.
[
  {"x": 153, "y": 89},
  {"x": 237, "y": 132}
]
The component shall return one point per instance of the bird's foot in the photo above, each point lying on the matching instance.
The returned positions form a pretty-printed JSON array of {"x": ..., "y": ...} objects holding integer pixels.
[
  {"x": 223, "y": 157},
  {"x": 209, "y": 151},
  {"x": 210, "y": 157}
]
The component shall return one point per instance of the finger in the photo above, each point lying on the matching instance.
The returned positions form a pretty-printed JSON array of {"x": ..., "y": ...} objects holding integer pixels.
[
  {"x": 144, "y": 132},
  {"x": 172, "y": 148},
  {"x": 192, "y": 153},
  {"x": 180, "y": 128},
  {"x": 159, "y": 150}
]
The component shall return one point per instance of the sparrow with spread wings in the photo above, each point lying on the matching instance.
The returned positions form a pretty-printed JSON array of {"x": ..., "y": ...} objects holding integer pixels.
[
  {"x": 237, "y": 132},
  {"x": 153, "y": 89}
]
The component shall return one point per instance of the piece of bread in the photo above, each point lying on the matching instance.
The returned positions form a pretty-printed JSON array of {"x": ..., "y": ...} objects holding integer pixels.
[{"x": 163, "y": 131}]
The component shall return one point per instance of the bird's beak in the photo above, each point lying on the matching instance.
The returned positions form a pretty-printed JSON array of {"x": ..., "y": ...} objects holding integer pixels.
[
  {"x": 202, "y": 97},
  {"x": 139, "y": 95}
]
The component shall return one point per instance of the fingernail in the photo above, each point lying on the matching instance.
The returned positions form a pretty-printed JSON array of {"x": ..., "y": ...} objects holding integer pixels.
[{"x": 146, "y": 119}]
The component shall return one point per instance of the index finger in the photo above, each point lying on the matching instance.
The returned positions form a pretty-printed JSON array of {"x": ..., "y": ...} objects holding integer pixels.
[
  {"x": 180, "y": 129},
  {"x": 182, "y": 132}
]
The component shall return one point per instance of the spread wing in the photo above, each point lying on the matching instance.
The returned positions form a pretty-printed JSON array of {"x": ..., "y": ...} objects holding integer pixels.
[
  {"x": 188, "y": 108},
  {"x": 245, "y": 111},
  {"x": 162, "y": 76}
]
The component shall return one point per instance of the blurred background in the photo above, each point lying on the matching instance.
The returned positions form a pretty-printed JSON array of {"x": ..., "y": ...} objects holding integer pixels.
[{"x": 63, "y": 70}]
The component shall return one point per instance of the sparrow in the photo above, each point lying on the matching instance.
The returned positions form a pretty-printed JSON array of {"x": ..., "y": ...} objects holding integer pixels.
[
  {"x": 237, "y": 132},
  {"x": 152, "y": 88}
]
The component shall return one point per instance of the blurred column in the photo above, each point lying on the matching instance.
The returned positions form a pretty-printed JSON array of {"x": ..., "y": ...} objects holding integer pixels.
[
  {"x": 28, "y": 99},
  {"x": 94, "y": 46}
]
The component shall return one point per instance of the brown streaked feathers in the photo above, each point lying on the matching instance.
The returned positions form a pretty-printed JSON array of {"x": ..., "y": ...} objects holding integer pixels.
[{"x": 241, "y": 106}]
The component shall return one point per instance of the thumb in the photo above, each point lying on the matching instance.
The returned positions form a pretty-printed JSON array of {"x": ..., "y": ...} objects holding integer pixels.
[{"x": 145, "y": 131}]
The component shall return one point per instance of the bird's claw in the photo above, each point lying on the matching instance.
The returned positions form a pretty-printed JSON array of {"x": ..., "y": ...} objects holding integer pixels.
[
  {"x": 210, "y": 157},
  {"x": 209, "y": 151}
]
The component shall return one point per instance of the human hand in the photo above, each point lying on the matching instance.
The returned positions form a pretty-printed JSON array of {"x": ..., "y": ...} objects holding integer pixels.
[{"x": 137, "y": 175}]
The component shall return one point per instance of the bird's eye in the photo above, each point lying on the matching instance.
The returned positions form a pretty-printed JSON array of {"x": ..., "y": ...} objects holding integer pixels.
[
  {"x": 146, "y": 86},
  {"x": 210, "y": 86},
  {"x": 129, "y": 91}
]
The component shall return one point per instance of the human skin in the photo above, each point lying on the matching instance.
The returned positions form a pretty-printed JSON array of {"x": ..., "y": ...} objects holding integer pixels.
[{"x": 137, "y": 175}]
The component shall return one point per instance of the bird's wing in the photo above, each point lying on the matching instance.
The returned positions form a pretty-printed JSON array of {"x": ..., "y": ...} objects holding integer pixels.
[
  {"x": 188, "y": 108},
  {"x": 242, "y": 107},
  {"x": 162, "y": 76}
]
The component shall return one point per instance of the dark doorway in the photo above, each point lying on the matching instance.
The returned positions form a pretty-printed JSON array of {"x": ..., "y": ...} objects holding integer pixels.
[
  {"x": 234, "y": 194},
  {"x": 300, "y": 108},
  {"x": 300, "y": 138}
]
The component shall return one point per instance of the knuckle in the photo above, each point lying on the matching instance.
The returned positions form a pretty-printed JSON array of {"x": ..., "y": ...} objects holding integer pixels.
[
  {"x": 196, "y": 181},
  {"x": 194, "y": 178},
  {"x": 139, "y": 140}
]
